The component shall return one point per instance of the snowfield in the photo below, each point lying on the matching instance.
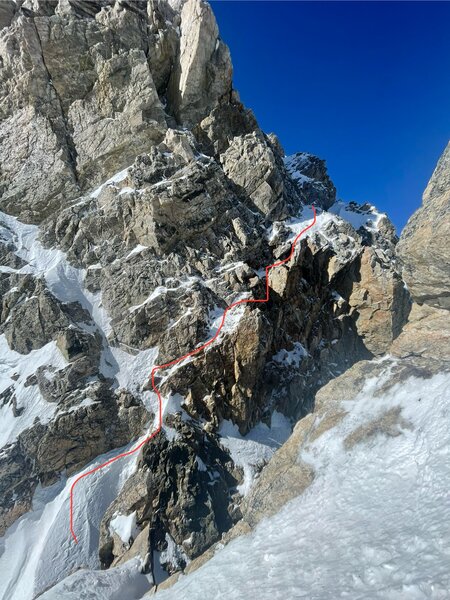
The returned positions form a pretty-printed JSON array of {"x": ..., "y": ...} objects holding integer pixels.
[{"x": 375, "y": 524}]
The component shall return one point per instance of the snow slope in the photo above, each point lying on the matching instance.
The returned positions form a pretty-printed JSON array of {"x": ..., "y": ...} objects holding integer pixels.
[
  {"x": 37, "y": 551},
  {"x": 254, "y": 450},
  {"x": 374, "y": 524}
]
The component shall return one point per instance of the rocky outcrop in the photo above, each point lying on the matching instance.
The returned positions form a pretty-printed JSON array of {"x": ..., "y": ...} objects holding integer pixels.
[
  {"x": 7, "y": 10},
  {"x": 204, "y": 64},
  {"x": 426, "y": 336},
  {"x": 89, "y": 422},
  {"x": 423, "y": 248},
  {"x": 182, "y": 494},
  {"x": 31, "y": 316},
  {"x": 255, "y": 166},
  {"x": 84, "y": 109},
  {"x": 310, "y": 176},
  {"x": 379, "y": 300}
]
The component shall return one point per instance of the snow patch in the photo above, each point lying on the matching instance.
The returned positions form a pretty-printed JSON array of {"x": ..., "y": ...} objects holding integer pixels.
[
  {"x": 117, "y": 178},
  {"x": 290, "y": 358},
  {"x": 118, "y": 583},
  {"x": 137, "y": 250},
  {"x": 124, "y": 526},
  {"x": 256, "y": 448},
  {"x": 367, "y": 217},
  {"x": 15, "y": 368},
  {"x": 37, "y": 550}
]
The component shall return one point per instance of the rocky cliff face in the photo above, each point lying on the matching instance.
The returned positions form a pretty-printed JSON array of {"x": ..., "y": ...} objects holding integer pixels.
[
  {"x": 139, "y": 199},
  {"x": 423, "y": 248}
]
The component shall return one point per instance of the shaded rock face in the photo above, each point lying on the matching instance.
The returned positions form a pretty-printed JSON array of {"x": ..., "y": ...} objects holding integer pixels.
[
  {"x": 192, "y": 201},
  {"x": 423, "y": 248},
  {"x": 310, "y": 176},
  {"x": 379, "y": 300},
  {"x": 182, "y": 492},
  {"x": 87, "y": 423},
  {"x": 31, "y": 316}
]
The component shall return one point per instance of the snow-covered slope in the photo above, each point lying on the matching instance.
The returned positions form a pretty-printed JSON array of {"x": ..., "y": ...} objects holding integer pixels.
[{"x": 374, "y": 524}]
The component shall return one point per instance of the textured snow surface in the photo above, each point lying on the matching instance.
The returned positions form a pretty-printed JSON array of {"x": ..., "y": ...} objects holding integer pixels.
[
  {"x": 356, "y": 216},
  {"x": 124, "y": 526},
  {"x": 28, "y": 397},
  {"x": 122, "y": 583},
  {"x": 254, "y": 450},
  {"x": 374, "y": 524}
]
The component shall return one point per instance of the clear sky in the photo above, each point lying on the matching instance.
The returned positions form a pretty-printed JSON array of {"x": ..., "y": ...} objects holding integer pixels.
[{"x": 365, "y": 85}]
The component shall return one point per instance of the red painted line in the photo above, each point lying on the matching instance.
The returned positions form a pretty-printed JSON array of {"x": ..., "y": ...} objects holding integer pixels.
[{"x": 178, "y": 360}]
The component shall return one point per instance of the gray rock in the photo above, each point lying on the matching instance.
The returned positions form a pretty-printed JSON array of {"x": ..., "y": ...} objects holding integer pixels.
[
  {"x": 311, "y": 179},
  {"x": 7, "y": 10},
  {"x": 184, "y": 489},
  {"x": 31, "y": 316},
  {"x": 252, "y": 165},
  {"x": 17, "y": 485},
  {"x": 226, "y": 121},
  {"x": 204, "y": 64}
]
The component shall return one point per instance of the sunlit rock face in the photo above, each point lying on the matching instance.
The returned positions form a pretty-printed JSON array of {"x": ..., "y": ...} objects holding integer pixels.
[{"x": 423, "y": 248}]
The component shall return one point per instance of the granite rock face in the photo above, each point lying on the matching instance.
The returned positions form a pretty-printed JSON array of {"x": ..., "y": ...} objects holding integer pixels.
[
  {"x": 93, "y": 84},
  {"x": 147, "y": 201},
  {"x": 203, "y": 64},
  {"x": 423, "y": 248}
]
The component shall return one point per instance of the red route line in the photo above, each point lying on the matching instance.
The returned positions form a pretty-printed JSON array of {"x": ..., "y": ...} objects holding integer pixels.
[{"x": 176, "y": 361}]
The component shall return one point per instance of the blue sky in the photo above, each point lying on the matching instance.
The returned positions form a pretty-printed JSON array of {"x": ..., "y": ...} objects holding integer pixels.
[{"x": 365, "y": 85}]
